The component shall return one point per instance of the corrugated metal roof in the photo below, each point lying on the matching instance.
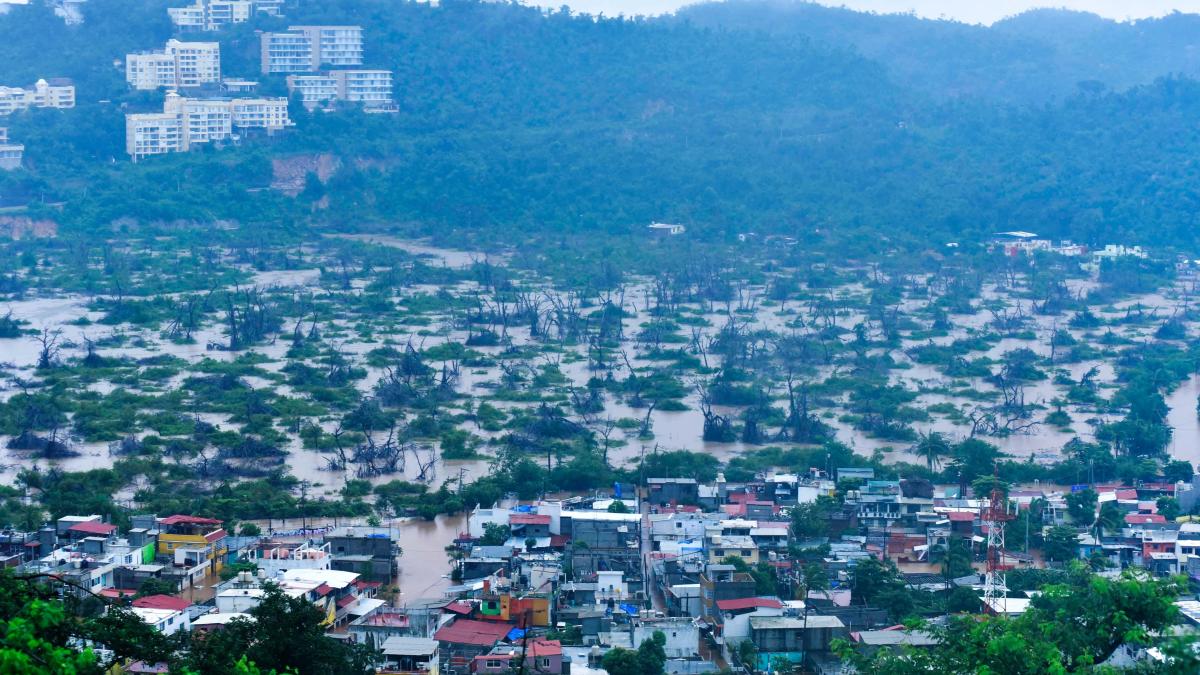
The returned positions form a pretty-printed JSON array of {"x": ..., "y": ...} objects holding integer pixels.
[
  {"x": 748, "y": 603},
  {"x": 93, "y": 527},
  {"x": 467, "y": 631}
]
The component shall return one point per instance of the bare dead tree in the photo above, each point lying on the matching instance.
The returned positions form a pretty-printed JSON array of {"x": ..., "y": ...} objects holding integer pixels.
[{"x": 49, "y": 347}]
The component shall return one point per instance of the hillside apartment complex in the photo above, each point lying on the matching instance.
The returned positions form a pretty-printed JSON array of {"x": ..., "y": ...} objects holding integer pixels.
[
  {"x": 306, "y": 49},
  {"x": 210, "y": 15},
  {"x": 187, "y": 122},
  {"x": 55, "y": 93},
  {"x": 177, "y": 65}
]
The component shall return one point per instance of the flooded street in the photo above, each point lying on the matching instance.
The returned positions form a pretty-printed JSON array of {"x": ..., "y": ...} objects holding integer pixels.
[
  {"x": 1185, "y": 439},
  {"x": 423, "y": 565},
  {"x": 424, "y": 571}
]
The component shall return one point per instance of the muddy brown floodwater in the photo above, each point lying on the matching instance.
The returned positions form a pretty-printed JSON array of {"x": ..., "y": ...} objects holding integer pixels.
[
  {"x": 424, "y": 572},
  {"x": 1182, "y": 416},
  {"x": 424, "y": 567}
]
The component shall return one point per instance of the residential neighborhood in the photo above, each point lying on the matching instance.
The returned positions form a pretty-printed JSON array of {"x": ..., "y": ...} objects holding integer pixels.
[
  {"x": 388, "y": 337},
  {"x": 728, "y": 576}
]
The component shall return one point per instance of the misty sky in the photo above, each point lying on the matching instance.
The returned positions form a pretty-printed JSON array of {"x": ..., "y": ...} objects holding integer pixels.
[{"x": 974, "y": 11}]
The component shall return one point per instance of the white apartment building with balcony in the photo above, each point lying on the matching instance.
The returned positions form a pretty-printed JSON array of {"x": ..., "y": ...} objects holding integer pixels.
[
  {"x": 150, "y": 70},
  {"x": 149, "y": 134},
  {"x": 288, "y": 52},
  {"x": 371, "y": 88},
  {"x": 10, "y": 153},
  {"x": 188, "y": 122},
  {"x": 313, "y": 89},
  {"x": 306, "y": 49},
  {"x": 204, "y": 120},
  {"x": 270, "y": 114},
  {"x": 209, "y": 15},
  {"x": 178, "y": 65},
  {"x": 337, "y": 46},
  {"x": 56, "y": 93}
]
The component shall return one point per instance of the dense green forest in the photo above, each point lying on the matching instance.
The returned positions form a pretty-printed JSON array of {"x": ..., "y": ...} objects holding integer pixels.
[
  {"x": 1032, "y": 58},
  {"x": 827, "y": 125}
]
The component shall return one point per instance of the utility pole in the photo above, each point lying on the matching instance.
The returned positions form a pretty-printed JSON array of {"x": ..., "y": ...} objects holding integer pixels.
[{"x": 1028, "y": 516}]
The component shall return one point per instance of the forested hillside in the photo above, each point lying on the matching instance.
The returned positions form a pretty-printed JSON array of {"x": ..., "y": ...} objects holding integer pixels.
[
  {"x": 730, "y": 118},
  {"x": 1033, "y": 58}
]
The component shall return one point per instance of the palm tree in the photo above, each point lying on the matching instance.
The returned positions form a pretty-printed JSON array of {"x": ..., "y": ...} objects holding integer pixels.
[
  {"x": 932, "y": 446},
  {"x": 1109, "y": 518}
]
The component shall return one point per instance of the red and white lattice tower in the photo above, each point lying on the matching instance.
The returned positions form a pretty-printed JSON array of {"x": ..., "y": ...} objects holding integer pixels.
[{"x": 995, "y": 588}]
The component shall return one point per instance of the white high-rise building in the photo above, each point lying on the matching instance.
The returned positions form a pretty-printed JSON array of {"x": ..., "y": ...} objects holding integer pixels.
[
  {"x": 178, "y": 65},
  {"x": 313, "y": 89},
  {"x": 210, "y": 15},
  {"x": 187, "y": 122},
  {"x": 55, "y": 93},
  {"x": 260, "y": 113},
  {"x": 150, "y": 71},
  {"x": 10, "y": 153},
  {"x": 306, "y": 49},
  {"x": 196, "y": 62},
  {"x": 153, "y": 134},
  {"x": 288, "y": 52},
  {"x": 372, "y": 88},
  {"x": 337, "y": 46},
  {"x": 204, "y": 120}
]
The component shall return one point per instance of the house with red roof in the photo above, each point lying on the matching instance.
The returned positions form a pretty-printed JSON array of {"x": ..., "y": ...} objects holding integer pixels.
[
  {"x": 962, "y": 522},
  {"x": 462, "y": 640},
  {"x": 90, "y": 528},
  {"x": 1145, "y": 519},
  {"x": 736, "y": 613},
  {"x": 526, "y": 525},
  {"x": 540, "y": 656},
  {"x": 159, "y": 601},
  {"x": 748, "y": 604}
]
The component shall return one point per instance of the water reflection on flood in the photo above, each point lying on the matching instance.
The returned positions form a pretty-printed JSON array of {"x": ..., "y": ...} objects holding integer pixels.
[{"x": 423, "y": 566}]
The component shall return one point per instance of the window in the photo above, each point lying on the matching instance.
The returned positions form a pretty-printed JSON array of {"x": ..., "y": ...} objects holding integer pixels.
[
  {"x": 745, "y": 553},
  {"x": 493, "y": 663},
  {"x": 544, "y": 662}
]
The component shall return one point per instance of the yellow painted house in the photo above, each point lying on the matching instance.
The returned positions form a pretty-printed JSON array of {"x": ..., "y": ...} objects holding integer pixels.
[{"x": 193, "y": 542}]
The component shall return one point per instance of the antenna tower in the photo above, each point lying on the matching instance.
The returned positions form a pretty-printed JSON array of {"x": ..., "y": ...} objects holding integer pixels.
[{"x": 995, "y": 587}]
